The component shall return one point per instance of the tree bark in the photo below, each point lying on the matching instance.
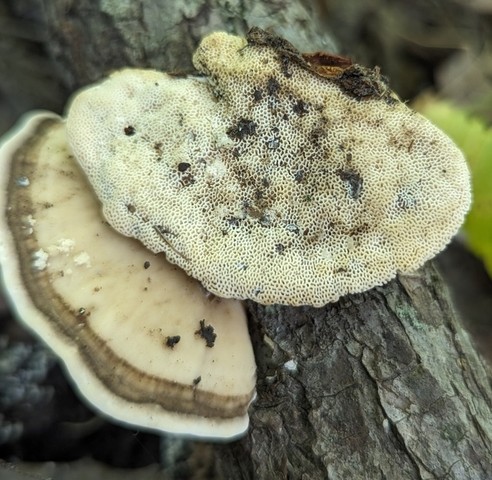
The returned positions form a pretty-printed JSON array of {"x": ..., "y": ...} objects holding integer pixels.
[{"x": 384, "y": 384}]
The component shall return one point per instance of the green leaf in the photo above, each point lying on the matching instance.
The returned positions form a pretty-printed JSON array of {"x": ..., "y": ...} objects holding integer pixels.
[{"x": 475, "y": 140}]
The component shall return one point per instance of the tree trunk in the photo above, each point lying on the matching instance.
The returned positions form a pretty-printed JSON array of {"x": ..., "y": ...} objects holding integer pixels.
[{"x": 384, "y": 384}]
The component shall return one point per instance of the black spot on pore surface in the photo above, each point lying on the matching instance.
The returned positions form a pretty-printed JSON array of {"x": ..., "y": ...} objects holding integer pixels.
[
  {"x": 300, "y": 108},
  {"x": 183, "y": 166},
  {"x": 354, "y": 181},
  {"x": 233, "y": 221},
  {"x": 172, "y": 341},
  {"x": 299, "y": 176},
  {"x": 273, "y": 86},
  {"x": 129, "y": 130},
  {"x": 316, "y": 135},
  {"x": 285, "y": 63},
  {"x": 280, "y": 248},
  {"x": 243, "y": 128},
  {"x": 207, "y": 333}
]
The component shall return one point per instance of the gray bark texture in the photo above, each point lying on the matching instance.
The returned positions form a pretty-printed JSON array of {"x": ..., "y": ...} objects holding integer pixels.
[{"x": 381, "y": 385}]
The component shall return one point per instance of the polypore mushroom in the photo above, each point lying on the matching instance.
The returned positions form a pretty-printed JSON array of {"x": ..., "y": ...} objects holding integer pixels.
[
  {"x": 273, "y": 176},
  {"x": 143, "y": 342}
]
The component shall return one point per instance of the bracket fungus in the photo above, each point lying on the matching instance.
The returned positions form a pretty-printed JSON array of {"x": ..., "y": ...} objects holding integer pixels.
[
  {"x": 143, "y": 342},
  {"x": 272, "y": 175}
]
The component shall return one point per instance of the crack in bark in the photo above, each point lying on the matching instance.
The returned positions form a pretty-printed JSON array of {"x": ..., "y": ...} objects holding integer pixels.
[{"x": 399, "y": 440}]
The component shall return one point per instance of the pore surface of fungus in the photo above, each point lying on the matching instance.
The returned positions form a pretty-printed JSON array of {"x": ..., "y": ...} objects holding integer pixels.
[
  {"x": 273, "y": 176},
  {"x": 143, "y": 341}
]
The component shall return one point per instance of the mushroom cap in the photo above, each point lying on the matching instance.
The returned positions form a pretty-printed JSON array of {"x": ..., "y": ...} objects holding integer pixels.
[
  {"x": 277, "y": 177},
  {"x": 143, "y": 342}
]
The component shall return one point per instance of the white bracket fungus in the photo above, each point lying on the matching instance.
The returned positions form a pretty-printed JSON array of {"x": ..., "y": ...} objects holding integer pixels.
[
  {"x": 275, "y": 176},
  {"x": 143, "y": 342}
]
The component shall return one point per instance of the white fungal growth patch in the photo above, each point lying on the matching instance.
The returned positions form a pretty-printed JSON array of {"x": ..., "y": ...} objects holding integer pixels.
[
  {"x": 216, "y": 170},
  {"x": 223, "y": 141},
  {"x": 28, "y": 224},
  {"x": 277, "y": 177},
  {"x": 291, "y": 366},
  {"x": 82, "y": 259},
  {"x": 40, "y": 259},
  {"x": 22, "y": 181},
  {"x": 63, "y": 246}
]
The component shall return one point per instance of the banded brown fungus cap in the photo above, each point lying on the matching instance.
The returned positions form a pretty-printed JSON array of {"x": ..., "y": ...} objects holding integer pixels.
[
  {"x": 143, "y": 342},
  {"x": 274, "y": 176}
]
